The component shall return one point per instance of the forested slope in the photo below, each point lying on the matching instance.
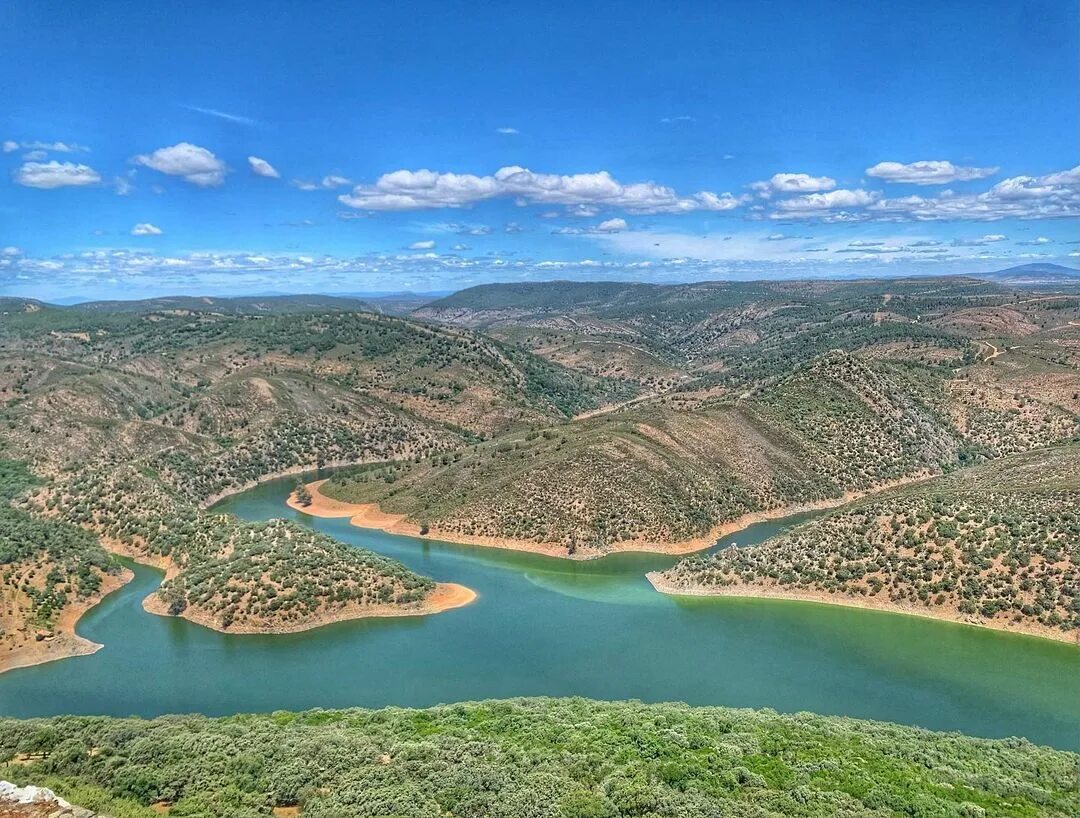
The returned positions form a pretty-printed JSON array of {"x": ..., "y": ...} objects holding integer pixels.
[
  {"x": 531, "y": 758},
  {"x": 998, "y": 544}
]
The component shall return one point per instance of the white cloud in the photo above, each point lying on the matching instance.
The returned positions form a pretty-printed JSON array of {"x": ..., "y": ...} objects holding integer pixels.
[
  {"x": 10, "y": 252},
  {"x": 578, "y": 211},
  {"x": 674, "y": 120},
  {"x": 793, "y": 183},
  {"x": 425, "y": 189},
  {"x": 1067, "y": 178},
  {"x": 1039, "y": 240},
  {"x": 190, "y": 162},
  {"x": 146, "y": 229},
  {"x": 817, "y": 204},
  {"x": 607, "y": 226},
  {"x": 56, "y": 147},
  {"x": 1055, "y": 195},
  {"x": 327, "y": 183},
  {"x": 427, "y": 244},
  {"x": 927, "y": 172},
  {"x": 981, "y": 241},
  {"x": 507, "y": 131},
  {"x": 260, "y": 167},
  {"x": 49, "y": 175},
  {"x": 457, "y": 248},
  {"x": 38, "y": 149},
  {"x": 612, "y": 225},
  {"x": 35, "y": 156}
]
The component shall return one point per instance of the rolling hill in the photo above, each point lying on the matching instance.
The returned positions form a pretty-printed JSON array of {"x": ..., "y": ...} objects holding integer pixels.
[{"x": 997, "y": 545}]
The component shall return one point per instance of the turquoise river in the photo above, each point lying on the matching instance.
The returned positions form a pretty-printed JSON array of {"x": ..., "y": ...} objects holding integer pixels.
[{"x": 544, "y": 626}]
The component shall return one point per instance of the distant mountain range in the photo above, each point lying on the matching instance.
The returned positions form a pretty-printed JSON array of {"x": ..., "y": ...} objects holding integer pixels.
[
  {"x": 243, "y": 305},
  {"x": 1033, "y": 275},
  {"x": 540, "y": 293}
]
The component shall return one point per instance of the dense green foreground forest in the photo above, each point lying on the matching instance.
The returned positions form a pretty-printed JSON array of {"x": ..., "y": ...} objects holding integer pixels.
[{"x": 570, "y": 758}]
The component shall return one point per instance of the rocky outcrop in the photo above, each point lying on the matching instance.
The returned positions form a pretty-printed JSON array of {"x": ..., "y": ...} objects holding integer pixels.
[{"x": 37, "y": 802}]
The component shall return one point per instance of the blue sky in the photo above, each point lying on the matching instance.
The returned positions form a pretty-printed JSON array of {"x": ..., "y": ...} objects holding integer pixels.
[{"x": 229, "y": 147}]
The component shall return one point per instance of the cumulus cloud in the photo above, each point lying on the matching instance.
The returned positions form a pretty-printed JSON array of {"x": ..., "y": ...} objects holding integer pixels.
[
  {"x": 190, "y": 162},
  {"x": 927, "y": 172},
  {"x": 1054, "y": 195},
  {"x": 146, "y": 229},
  {"x": 578, "y": 211},
  {"x": 507, "y": 131},
  {"x": 49, "y": 175},
  {"x": 426, "y": 189},
  {"x": 1035, "y": 242},
  {"x": 816, "y": 204},
  {"x": 612, "y": 225},
  {"x": 426, "y": 244},
  {"x": 260, "y": 167},
  {"x": 793, "y": 183},
  {"x": 9, "y": 146},
  {"x": 608, "y": 226}
]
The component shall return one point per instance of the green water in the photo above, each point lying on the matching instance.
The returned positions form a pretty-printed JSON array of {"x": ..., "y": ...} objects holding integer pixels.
[{"x": 543, "y": 626}]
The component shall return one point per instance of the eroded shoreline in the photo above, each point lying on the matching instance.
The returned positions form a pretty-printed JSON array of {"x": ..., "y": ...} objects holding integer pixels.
[
  {"x": 370, "y": 515},
  {"x": 656, "y": 579},
  {"x": 66, "y": 643},
  {"x": 445, "y": 597}
]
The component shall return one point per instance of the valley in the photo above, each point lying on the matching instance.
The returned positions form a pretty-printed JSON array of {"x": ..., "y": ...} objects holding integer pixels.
[{"x": 484, "y": 419}]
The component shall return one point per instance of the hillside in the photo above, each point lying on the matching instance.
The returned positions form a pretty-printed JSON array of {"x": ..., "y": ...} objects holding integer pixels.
[
  {"x": 722, "y": 334},
  {"x": 586, "y": 418},
  {"x": 563, "y": 758},
  {"x": 1035, "y": 275},
  {"x": 997, "y": 545},
  {"x": 665, "y": 479},
  {"x": 169, "y": 411},
  {"x": 52, "y": 572}
]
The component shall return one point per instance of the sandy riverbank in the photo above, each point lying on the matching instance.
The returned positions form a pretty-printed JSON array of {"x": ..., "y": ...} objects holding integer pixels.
[
  {"x": 65, "y": 643},
  {"x": 445, "y": 597},
  {"x": 874, "y": 603},
  {"x": 369, "y": 515}
]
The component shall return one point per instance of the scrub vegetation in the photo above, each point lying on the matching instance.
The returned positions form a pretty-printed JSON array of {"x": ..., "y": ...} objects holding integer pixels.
[
  {"x": 490, "y": 414},
  {"x": 995, "y": 544},
  {"x": 563, "y": 758}
]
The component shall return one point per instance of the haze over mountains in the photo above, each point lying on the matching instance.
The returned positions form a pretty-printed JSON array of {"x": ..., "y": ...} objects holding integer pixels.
[{"x": 1024, "y": 275}]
